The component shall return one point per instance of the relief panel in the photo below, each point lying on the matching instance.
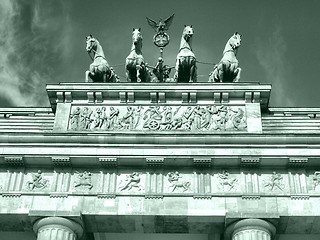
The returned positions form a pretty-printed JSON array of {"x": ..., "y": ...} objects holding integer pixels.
[
  {"x": 210, "y": 118},
  {"x": 226, "y": 182},
  {"x": 274, "y": 183},
  {"x": 177, "y": 182}
]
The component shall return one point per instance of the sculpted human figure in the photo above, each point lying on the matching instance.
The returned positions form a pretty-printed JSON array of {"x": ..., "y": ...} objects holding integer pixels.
[
  {"x": 275, "y": 182},
  {"x": 113, "y": 117},
  {"x": 316, "y": 180},
  {"x": 226, "y": 180},
  {"x": 74, "y": 118},
  {"x": 207, "y": 117},
  {"x": 173, "y": 178},
  {"x": 37, "y": 181},
  {"x": 127, "y": 120},
  {"x": 83, "y": 179},
  {"x": 132, "y": 181}
]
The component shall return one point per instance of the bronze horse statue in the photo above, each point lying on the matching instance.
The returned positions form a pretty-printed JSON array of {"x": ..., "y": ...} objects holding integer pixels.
[
  {"x": 99, "y": 70},
  {"x": 136, "y": 69},
  {"x": 186, "y": 69},
  {"x": 228, "y": 70}
]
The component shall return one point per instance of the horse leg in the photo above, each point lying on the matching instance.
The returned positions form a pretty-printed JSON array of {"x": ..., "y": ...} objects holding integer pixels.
[
  {"x": 138, "y": 68},
  {"x": 104, "y": 77},
  {"x": 216, "y": 73},
  {"x": 237, "y": 78},
  {"x": 87, "y": 76},
  {"x": 176, "y": 74},
  {"x": 193, "y": 72}
]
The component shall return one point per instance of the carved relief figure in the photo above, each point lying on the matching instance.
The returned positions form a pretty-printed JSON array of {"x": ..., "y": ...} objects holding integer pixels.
[
  {"x": 316, "y": 180},
  {"x": 83, "y": 180},
  {"x": 136, "y": 69},
  {"x": 131, "y": 181},
  {"x": 186, "y": 69},
  {"x": 37, "y": 181},
  {"x": 84, "y": 121},
  {"x": 173, "y": 178},
  {"x": 74, "y": 118},
  {"x": 275, "y": 182},
  {"x": 99, "y": 70},
  {"x": 207, "y": 116},
  {"x": 226, "y": 180},
  {"x": 228, "y": 70},
  {"x": 127, "y": 120}
]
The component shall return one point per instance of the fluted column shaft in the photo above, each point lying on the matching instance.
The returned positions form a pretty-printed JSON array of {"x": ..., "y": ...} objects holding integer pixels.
[
  {"x": 57, "y": 228},
  {"x": 250, "y": 229}
]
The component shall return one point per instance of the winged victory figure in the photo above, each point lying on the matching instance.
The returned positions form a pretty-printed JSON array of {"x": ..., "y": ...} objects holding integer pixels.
[{"x": 160, "y": 26}]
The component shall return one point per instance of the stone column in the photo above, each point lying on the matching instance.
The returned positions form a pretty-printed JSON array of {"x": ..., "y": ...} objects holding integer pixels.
[
  {"x": 57, "y": 228},
  {"x": 250, "y": 229}
]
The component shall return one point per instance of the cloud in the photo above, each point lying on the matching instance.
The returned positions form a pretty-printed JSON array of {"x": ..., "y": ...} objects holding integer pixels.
[
  {"x": 31, "y": 48},
  {"x": 271, "y": 55}
]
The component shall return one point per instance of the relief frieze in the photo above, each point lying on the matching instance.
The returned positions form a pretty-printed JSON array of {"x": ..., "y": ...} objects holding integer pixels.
[
  {"x": 210, "y": 118},
  {"x": 171, "y": 182}
]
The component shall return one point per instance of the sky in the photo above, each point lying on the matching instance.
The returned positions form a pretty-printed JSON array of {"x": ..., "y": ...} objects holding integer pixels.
[{"x": 43, "y": 42}]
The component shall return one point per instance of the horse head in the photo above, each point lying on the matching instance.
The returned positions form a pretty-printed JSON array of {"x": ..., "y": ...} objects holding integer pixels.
[
  {"x": 235, "y": 41},
  {"x": 92, "y": 43},
  {"x": 187, "y": 32},
  {"x": 136, "y": 36}
]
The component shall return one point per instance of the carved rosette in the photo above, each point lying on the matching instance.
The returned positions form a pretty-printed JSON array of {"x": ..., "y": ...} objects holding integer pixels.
[{"x": 203, "y": 118}]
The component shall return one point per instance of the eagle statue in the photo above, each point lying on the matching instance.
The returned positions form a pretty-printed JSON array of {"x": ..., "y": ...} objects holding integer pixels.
[{"x": 161, "y": 25}]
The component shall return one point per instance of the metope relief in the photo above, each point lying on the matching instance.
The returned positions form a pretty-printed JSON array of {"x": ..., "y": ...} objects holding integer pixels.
[
  {"x": 37, "y": 182},
  {"x": 274, "y": 183},
  {"x": 316, "y": 181},
  {"x": 83, "y": 181},
  {"x": 178, "y": 183},
  {"x": 210, "y": 118},
  {"x": 131, "y": 183},
  {"x": 226, "y": 182}
]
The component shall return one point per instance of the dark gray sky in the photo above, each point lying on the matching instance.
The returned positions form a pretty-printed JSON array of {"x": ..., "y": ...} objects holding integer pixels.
[{"x": 44, "y": 42}]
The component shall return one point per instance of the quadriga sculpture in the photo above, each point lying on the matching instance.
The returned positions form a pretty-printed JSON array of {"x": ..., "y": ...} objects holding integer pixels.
[
  {"x": 186, "y": 69},
  {"x": 227, "y": 70},
  {"x": 136, "y": 69},
  {"x": 99, "y": 70}
]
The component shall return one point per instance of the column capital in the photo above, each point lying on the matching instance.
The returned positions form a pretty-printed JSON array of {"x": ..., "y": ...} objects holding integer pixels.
[
  {"x": 250, "y": 224},
  {"x": 58, "y": 222}
]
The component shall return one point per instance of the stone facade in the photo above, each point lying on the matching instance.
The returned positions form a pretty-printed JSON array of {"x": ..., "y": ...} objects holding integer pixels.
[{"x": 194, "y": 158}]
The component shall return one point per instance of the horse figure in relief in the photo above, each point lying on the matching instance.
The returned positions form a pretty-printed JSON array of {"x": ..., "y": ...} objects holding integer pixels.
[
  {"x": 228, "y": 70},
  {"x": 99, "y": 70},
  {"x": 186, "y": 69},
  {"x": 136, "y": 69}
]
